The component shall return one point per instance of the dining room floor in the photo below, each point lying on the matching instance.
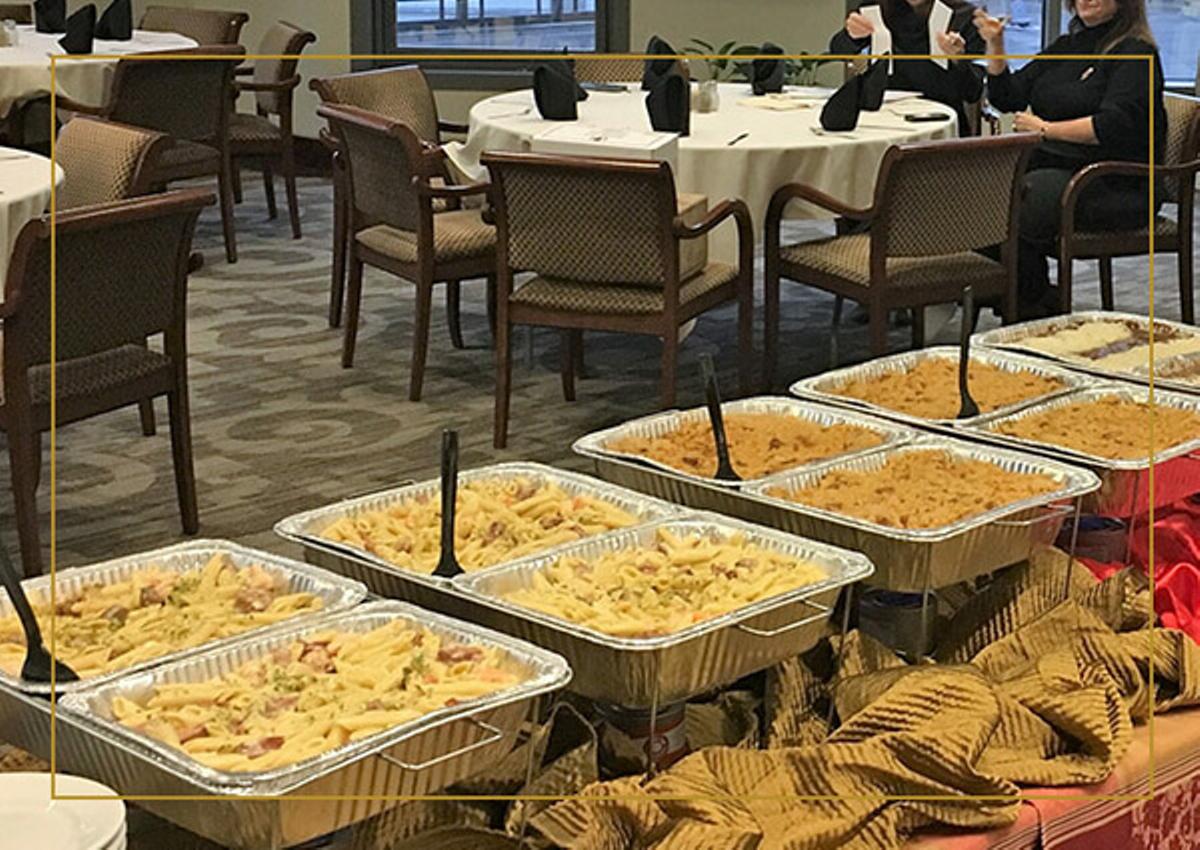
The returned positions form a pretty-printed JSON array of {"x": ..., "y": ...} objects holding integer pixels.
[{"x": 280, "y": 426}]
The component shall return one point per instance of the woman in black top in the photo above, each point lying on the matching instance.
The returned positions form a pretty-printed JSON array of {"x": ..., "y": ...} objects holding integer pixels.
[
  {"x": 908, "y": 21},
  {"x": 1086, "y": 111}
]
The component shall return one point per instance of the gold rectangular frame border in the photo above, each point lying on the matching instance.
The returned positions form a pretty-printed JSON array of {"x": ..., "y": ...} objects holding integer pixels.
[{"x": 533, "y": 57}]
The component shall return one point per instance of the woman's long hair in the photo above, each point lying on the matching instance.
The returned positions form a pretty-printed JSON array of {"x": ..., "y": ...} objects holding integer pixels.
[
  {"x": 891, "y": 7},
  {"x": 1130, "y": 22}
]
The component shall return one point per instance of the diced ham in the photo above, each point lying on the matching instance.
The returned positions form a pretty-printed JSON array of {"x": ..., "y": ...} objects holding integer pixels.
[
  {"x": 188, "y": 733},
  {"x": 262, "y": 746},
  {"x": 116, "y": 614},
  {"x": 457, "y": 653},
  {"x": 278, "y": 705},
  {"x": 252, "y": 599},
  {"x": 317, "y": 656}
]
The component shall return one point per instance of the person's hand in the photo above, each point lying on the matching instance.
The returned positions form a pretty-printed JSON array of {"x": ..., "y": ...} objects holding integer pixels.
[
  {"x": 1027, "y": 122},
  {"x": 951, "y": 44},
  {"x": 858, "y": 26},
  {"x": 990, "y": 29}
]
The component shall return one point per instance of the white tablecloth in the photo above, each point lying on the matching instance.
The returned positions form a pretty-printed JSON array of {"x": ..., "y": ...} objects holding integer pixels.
[
  {"x": 24, "y": 195},
  {"x": 25, "y": 67},
  {"x": 782, "y": 146}
]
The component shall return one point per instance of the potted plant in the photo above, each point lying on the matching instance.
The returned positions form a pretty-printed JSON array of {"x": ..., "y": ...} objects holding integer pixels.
[{"x": 721, "y": 66}]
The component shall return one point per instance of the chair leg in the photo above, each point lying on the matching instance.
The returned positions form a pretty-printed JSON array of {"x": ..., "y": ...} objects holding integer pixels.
[
  {"x": 567, "y": 347},
  {"x": 770, "y": 326},
  {"x": 289, "y": 187},
  {"x": 1065, "y": 270},
  {"x": 918, "y": 327},
  {"x": 236, "y": 173},
  {"x": 670, "y": 361},
  {"x": 878, "y": 326},
  {"x": 1106, "y": 283},
  {"x": 268, "y": 173},
  {"x": 1187, "y": 298},
  {"x": 420, "y": 339},
  {"x": 146, "y": 412},
  {"x": 337, "y": 283},
  {"x": 24, "y": 459},
  {"x": 453, "y": 313},
  {"x": 181, "y": 454},
  {"x": 503, "y": 383},
  {"x": 353, "y": 301},
  {"x": 491, "y": 305},
  {"x": 225, "y": 189}
]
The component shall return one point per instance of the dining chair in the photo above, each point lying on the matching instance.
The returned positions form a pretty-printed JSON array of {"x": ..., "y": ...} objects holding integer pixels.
[
  {"x": 204, "y": 26},
  {"x": 189, "y": 100},
  {"x": 402, "y": 94},
  {"x": 103, "y": 161},
  {"x": 1176, "y": 184},
  {"x": 120, "y": 276},
  {"x": 917, "y": 243},
  {"x": 390, "y": 177},
  {"x": 608, "y": 69},
  {"x": 603, "y": 238},
  {"x": 254, "y": 135},
  {"x": 18, "y": 13}
]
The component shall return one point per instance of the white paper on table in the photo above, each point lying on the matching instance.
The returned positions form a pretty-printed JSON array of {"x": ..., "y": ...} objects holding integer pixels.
[
  {"x": 881, "y": 36},
  {"x": 939, "y": 22}
]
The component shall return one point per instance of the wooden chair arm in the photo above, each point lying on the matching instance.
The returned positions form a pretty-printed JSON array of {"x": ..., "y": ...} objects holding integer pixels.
[
  {"x": 329, "y": 140},
  {"x": 1114, "y": 168},
  {"x": 728, "y": 208},
  {"x": 243, "y": 70},
  {"x": 452, "y": 127},
  {"x": 278, "y": 86},
  {"x": 66, "y": 104},
  {"x": 799, "y": 191},
  {"x": 428, "y": 190}
]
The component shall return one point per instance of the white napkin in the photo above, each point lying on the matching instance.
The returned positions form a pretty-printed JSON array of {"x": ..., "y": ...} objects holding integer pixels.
[
  {"x": 939, "y": 22},
  {"x": 881, "y": 36}
]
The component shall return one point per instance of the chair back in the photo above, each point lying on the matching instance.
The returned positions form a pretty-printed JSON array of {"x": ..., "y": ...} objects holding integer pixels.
[
  {"x": 402, "y": 94},
  {"x": 204, "y": 26},
  {"x": 383, "y": 158},
  {"x": 120, "y": 277},
  {"x": 184, "y": 98},
  {"x": 104, "y": 162},
  {"x": 19, "y": 13},
  {"x": 281, "y": 40},
  {"x": 1183, "y": 138},
  {"x": 946, "y": 197},
  {"x": 585, "y": 219},
  {"x": 607, "y": 69}
]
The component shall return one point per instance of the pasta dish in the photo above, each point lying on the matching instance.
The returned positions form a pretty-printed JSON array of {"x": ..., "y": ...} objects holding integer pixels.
[
  {"x": 1109, "y": 427},
  {"x": 760, "y": 444},
  {"x": 643, "y": 591},
  {"x": 315, "y": 694},
  {"x": 929, "y": 389},
  {"x": 1117, "y": 345},
  {"x": 919, "y": 489},
  {"x": 497, "y": 520},
  {"x": 106, "y": 627}
]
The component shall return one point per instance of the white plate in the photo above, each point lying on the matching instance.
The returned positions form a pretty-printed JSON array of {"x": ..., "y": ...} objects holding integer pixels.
[{"x": 32, "y": 820}]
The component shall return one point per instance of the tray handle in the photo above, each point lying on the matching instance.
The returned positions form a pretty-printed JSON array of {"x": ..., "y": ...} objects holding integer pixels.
[
  {"x": 1052, "y": 512},
  {"x": 494, "y": 735},
  {"x": 822, "y": 612}
]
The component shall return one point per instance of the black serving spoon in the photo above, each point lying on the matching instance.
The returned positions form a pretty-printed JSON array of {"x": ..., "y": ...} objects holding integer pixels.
[
  {"x": 448, "y": 566},
  {"x": 967, "y": 408},
  {"x": 38, "y": 663},
  {"x": 713, "y": 392}
]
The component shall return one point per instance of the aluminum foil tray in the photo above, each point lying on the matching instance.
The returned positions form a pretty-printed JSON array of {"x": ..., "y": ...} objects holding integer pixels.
[
  {"x": 640, "y": 672},
  {"x": 417, "y": 758},
  {"x": 1124, "y": 484},
  {"x": 922, "y": 559},
  {"x": 1014, "y": 337},
  {"x": 595, "y": 445},
  {"x": 434, "y": 592},
  {"x": 336, "y": 592},
  {"x": 820, "y": 387},
  {"x": 1179, "y": 374}
]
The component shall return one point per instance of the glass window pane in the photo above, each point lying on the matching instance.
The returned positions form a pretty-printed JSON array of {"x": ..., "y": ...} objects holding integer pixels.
[
  {"x": 518, "y": 25},
  {"x": 1176, "y": 26},
  {"x": 1023, "y": 35}
]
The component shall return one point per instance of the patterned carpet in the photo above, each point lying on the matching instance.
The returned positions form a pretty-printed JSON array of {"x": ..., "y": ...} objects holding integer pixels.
[{"x": 279, "y": 425}]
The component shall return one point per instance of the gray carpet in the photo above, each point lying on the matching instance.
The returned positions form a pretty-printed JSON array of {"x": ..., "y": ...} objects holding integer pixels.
[{"x": 279, "y": 426}]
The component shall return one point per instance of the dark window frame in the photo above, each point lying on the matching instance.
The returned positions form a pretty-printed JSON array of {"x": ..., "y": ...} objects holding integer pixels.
[{"x": 373, "y": 27}]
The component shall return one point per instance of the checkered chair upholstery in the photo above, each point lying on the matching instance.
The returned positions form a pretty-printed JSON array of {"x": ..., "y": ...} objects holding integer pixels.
[
  {"x": 105, "y": 162},
  {"x": 402, "y": 94},
  {"x": 608, "y": 69}
]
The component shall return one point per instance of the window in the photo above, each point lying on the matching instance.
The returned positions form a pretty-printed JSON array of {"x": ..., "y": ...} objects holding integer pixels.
[
  {"x": 1176, "y": 26},
  {"x": 1023, "y": 35},
  {"x": 525, "y": 26}
]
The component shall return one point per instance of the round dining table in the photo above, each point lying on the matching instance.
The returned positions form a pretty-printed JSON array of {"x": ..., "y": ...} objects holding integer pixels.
[
  {"x": 25, "y": 66},
  {"x": 747, "y": 148},
  {"x": 25, "y": 184}
]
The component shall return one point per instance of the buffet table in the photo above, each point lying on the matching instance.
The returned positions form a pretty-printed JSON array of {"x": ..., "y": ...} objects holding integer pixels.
[{"x": 740, "y": 151}]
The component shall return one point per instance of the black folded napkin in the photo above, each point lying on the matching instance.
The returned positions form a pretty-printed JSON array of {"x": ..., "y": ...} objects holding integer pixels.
[
  {"x": 555, "y": 92},
  {"x": 51, "y": 15},
  {"x": 767, "y": 74},
  {"x": 656, "y": 69},
  {"x": 875, "y": 80},
  {"x": 81, "y": 29},
  {"x": 841, "y": 110},
  {"x": 670, "y": 105},
  {"x": 116, "y": 24}
]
